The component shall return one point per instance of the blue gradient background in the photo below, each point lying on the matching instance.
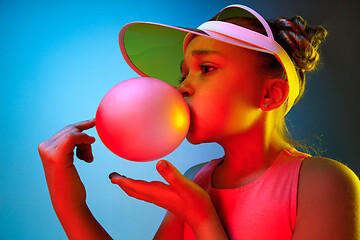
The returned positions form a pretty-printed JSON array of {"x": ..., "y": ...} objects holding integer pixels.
[{"x": 59, "y": 58}]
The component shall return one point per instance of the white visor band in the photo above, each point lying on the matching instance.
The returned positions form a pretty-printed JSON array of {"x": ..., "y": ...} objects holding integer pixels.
[{"x": 157, "y": 50}]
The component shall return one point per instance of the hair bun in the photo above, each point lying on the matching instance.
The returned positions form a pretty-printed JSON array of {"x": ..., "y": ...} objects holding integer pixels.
[{"x": 299, "y": 40}]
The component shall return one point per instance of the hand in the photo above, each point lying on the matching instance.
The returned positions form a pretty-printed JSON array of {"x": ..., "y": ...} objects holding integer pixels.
[
  {"x": 59, "y": 148},
  {"x": 67, "y": 192},
  {"x": 181, "y": 197},
  {"x": 57, "y": 155}
]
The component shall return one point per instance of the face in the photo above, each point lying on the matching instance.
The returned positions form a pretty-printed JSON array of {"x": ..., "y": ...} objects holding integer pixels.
[{"x": 223, "y": 90}]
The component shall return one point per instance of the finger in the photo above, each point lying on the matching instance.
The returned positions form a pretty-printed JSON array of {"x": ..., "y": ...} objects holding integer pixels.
[
  {"x": 138, "y": 186},
  {"x": 124, "y": 182},
  {"x": 67, "y": 142},
  {"x": 84, "y": 152},
  {"x": 177, "y": 181},
  {"x": 80, "y": 126},
  {"x": 136, "y": 195},
  {"x": 154, "y": 192},
  {"x": 84, "y": 125}
]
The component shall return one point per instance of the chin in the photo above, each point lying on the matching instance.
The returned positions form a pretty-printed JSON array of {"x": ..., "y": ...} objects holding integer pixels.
[
  {"x": 191, "y": 138},
  {"x": 192, "y": 141},
  {"x": 196, "y": 139}
]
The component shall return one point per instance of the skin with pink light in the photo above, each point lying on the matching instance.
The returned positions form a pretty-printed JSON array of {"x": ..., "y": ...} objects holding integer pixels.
[{"x": 234, "y": 105}]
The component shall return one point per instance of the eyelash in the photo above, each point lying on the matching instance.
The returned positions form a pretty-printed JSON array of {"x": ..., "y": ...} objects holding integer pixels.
[
  {"x": 204, "y": 70},
  {"x": 204, "y": 67},
  {"x": 182, "y": 79}
]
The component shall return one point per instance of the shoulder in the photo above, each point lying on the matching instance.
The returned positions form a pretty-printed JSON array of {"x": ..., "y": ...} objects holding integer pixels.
[
  {"x": 191, "y": 172},
  {"x": 327, "y": 173},
  {"x": 328, "y": 180},
  {"x": 328, "y": 199}
]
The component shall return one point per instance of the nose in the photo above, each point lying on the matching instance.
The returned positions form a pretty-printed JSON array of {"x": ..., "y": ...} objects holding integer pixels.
[{"x": 186, "y": 89}]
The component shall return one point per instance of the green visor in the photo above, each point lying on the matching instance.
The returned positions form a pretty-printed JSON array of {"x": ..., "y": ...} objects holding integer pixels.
[{"x": 157, "y": 50}]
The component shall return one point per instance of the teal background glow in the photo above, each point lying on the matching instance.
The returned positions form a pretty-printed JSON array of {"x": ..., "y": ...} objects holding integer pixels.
[{"x": 59, "y": 58}]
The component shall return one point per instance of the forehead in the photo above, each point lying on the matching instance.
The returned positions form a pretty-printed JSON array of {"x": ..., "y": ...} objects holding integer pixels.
[{"x": 200, "y": 45}]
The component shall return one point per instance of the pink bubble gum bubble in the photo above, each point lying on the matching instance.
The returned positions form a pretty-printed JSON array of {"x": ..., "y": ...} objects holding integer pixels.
[{"x": 142, "y": 119}]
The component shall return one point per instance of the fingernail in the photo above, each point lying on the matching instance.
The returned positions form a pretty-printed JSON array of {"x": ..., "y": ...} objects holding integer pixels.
[
  {"x": 114, "y": 174},
  {"x": 162, "y": 165}
]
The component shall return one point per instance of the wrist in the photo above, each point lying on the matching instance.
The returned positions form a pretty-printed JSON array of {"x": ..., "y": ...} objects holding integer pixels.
[
  {"x": 66, "y": 189},
  {"x": 69, "y": 212},
  {"x": 79, "y": 223},
  {"x": 65, "y": 206},
  {"x": 210, "y": 228}
]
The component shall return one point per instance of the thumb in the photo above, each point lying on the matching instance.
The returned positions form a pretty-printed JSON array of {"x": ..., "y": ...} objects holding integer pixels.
[
  {"x": 177, "y": 181},
  {"x": 84, "y": 152}
]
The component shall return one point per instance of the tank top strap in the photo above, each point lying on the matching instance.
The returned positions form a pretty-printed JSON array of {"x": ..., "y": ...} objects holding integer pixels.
[{"x": 203, "y": 177}]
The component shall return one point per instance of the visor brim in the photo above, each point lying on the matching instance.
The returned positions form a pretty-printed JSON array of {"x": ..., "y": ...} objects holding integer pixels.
[{"x": 157, "y": 50}]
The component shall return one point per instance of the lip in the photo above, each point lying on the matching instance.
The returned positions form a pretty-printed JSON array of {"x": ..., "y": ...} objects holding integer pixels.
[
  {"x": 191, "y": 111},
  {"x": 188, "y": 102}
]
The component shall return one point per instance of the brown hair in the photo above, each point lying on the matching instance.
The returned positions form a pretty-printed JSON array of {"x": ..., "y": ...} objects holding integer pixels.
[
  {"x": 297, "y": 38},
  {"x": 301, "y": 43}
]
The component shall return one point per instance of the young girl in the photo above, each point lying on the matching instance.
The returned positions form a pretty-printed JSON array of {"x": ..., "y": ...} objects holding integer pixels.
[{"x": 239, "y": 84}]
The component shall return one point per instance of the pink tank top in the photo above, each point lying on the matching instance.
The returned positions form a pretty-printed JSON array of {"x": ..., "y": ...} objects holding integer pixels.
[{"x": 262, "y": 209}]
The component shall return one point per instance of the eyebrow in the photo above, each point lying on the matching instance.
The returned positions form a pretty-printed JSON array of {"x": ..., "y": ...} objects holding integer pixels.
[
  {"x": 202, "y": 52},
  {"x": 199, "y": 53}
]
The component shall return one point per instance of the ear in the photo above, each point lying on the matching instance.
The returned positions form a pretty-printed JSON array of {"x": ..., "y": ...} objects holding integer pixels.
[{"x": 275, "y": 94}]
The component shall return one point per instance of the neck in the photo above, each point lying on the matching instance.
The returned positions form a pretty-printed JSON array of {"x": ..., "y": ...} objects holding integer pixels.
[{"x": 249, "y": 154}]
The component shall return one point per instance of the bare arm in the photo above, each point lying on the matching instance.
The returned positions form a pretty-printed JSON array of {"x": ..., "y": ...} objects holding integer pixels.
[
  {"x": 328, "y": 202},
  {"x": 172, "y": 227},
  {"x": 67, "y": 192}
]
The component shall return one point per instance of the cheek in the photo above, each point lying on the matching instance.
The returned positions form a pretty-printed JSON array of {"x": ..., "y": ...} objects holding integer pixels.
[
  {"x": 220, "y": 110},
  {"x": 218, "y": 116},
  {"x": 209, "y": 118},
  {"x": 205, "y": 114}
]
